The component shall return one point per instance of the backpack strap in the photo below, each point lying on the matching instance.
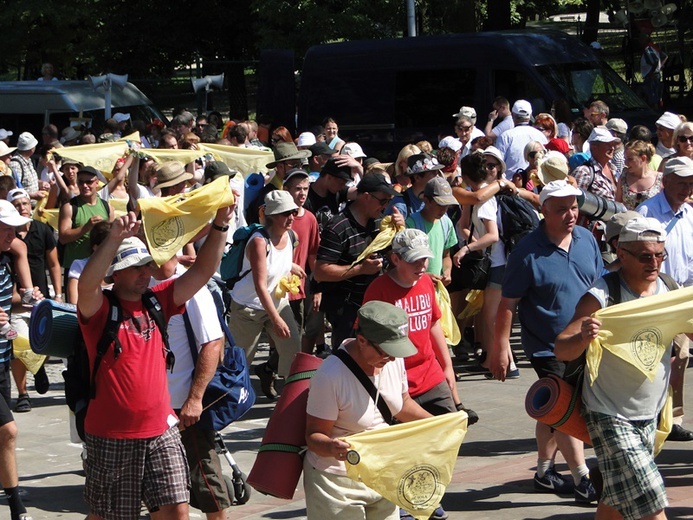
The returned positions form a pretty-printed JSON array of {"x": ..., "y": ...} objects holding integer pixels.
[
  {"x": 109, "y": 337},
  {"x": 344, "y": 356},
  {"x": 669, "y": 282},
  {"x": 153, "y": 307},
  {"x": 613, "y": 285},
  {"x": 418, "y": 221},
  {"x": 264, "y": 234}
]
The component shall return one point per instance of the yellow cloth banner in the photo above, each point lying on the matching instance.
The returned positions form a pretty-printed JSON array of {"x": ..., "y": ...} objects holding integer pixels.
[
  {"x": 287, "y": 284},
  {"x": 245, "y": 160},
  {"x": 22, "y": 351},
  {"x": 410, "y": 464},
  {"x": 120, "y": 206},
  {"x": 101, "y": 156},
  {"x": 47, "y": 216},
  {"x": 666, "y": 421},
  {"x": 447, "y": 319},
  {"x": 387, "y": 233},
  {"x": 639, "y": 331},
  {"x": 171, "y": 222},
  {"x": 161, "y": 155},
  {"x": 475, "y": 301}
]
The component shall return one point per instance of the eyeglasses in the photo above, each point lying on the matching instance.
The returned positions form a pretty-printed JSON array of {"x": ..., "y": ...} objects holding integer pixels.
[
  {"x": 645, "y": 258},
  {"x": 380, "y": 352},
  {"x": 382, "y": 202},
  {"x": 293, "y": 212},
  {"x": 685, "y": 139},
  {"x": 296, "y": 163},
  {"x": 464, "y": 128},
  {"x": 491, "y": 166}
]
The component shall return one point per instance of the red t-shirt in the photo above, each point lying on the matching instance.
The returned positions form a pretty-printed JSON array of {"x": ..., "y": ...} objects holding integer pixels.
[
  {"x": 423, "y": 370},
  {"x": 132, "y": 400},
  {"x": 308, "y": 233}
]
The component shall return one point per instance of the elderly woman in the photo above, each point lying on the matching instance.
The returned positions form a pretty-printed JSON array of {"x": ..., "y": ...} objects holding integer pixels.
[
  {"x": 682, "y": 142},
  {"x": 255, "y": 305},
  {"x": 339, "y": 405}
]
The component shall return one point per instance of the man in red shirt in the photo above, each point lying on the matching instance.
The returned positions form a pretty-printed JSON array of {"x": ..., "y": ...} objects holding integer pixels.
[{"x": 134, "y": 452}]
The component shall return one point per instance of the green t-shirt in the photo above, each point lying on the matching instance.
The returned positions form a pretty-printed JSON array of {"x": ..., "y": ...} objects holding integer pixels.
[
  {"x": 81, "y": 213},
  {"x": 441, "y": 236}
]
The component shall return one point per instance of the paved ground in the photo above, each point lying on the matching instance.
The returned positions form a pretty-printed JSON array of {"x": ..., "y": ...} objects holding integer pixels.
[{"x": 492, "y": 477}]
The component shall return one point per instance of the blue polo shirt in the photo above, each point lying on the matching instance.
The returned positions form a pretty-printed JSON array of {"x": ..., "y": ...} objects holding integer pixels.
[{"x": 549, "y": 282}]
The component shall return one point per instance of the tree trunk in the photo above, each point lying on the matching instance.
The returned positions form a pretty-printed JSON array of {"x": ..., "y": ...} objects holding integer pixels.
[{"x": 498, "y": 18}]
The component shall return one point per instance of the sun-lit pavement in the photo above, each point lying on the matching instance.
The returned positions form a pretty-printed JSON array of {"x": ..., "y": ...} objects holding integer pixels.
[{"x": 492, "y": 479}]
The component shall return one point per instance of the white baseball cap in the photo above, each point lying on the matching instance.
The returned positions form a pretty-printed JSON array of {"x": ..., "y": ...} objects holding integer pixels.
[
  {"x": 558, "y": 189},
  {"x": 10, "y": 216},
  {"x": 353, "y": 149},
  {"x": 669, "y": 120},
  {"x": 642, "y": 229},
  {"x": 681, "y": 166},
  {"x": 467, "y": 111},
  {"x": 601, "y": 134},
  {"x": 522, "y": 108},
  {"x": 450, "y": 142},
  {"x": 306, "y": 139}
]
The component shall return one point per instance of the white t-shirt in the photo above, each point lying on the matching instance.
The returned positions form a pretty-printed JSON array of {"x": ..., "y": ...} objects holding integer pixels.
[
  {"x": 489, "y": 211},
  {"x": 503, "y": 126},
  {"x": 511, "y": 144},
  {"x": 621, "y": 390},
  {"x": 205, "y": 325},
  {"x": 279, "y": 262},
  {"x": 336, "y": 395}
]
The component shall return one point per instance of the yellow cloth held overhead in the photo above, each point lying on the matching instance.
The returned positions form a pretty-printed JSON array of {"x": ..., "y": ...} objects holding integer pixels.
[
  {"x": 101, "y": 156},
  {"x": 387, "y": 233},
  {"x": 447, "y": 318},
  {"x": 245, "y": 160},
  {"x": 171, "y": 222},
  {"x": 287, "y": 284},
  {"x": 639, "y": 331},
  {"x": 410, "y": 464},
  {"x": 161, "y": 155}
]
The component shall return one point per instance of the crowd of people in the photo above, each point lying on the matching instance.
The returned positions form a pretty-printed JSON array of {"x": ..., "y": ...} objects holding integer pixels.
[{"x": 321, "y": 202}]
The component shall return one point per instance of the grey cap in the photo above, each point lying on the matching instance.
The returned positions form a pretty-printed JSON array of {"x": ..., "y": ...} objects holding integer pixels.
[
  {"x": 681, "y": 166},
  {"x": 387, "y": 326},
  {"x": 411, "y": 245},
  {"x": 642, "y": 229}
]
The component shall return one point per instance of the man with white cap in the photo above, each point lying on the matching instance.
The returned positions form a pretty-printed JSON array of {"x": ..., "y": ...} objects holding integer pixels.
[
  {"x": 622, "y": 405},
  {"x": 511, "y": 143},
  {"x": 546, "y": 275},
  {"x": 470, "y": 112},
  {"x": 23, "y": 169},
  {"x": 666, "y": 124},
  {"x": 670, "y": 207},
  {"x": 596, "y": 176},
  {"x": 10, "y": 220},
  {"x": 131, "y": 429}
]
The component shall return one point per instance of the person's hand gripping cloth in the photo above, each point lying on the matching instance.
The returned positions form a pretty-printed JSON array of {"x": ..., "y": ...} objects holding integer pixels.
[{"x": 388, "y": 230}]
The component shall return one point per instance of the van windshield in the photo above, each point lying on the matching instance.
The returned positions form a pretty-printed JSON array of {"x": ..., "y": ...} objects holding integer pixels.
[{"x": 583, "y": 82}]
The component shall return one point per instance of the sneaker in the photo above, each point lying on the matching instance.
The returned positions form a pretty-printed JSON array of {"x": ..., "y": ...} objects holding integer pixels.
[
  {"x": 585, "y": 492},
  {"x": 8, "y": 332},
  {"x": 266, "y": 377},
  {"x": 438, "y": 514},
  {"x": 41, "y": 382},
  {"x": 28, "y": 299},
  {"x": 513, "y": 374},
  {"x": 23, "y": 404},
  {"x": 553, "y": 482}
]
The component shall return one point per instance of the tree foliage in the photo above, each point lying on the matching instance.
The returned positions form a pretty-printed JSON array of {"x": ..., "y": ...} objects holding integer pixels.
[{"x": 154, "y": 38}]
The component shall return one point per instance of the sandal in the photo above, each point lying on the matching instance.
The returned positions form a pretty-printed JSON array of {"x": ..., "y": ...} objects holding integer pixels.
[{"x": 23, "y": 404}]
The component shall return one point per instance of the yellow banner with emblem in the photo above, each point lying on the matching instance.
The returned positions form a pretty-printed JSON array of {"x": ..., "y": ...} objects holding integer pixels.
[
  {"x": 410, "y": 464},
  {"x": 639, "y": 331},
  {"x": 171, "y": 222},
  {"x": 245, "y": 160}
]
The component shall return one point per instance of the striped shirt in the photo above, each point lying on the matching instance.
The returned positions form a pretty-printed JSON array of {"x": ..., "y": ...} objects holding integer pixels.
[
  {"x": 342, "y": 241},
  {"x": 6, "y": 304}
]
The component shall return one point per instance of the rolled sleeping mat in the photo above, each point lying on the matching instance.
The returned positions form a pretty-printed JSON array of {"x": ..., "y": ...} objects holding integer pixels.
[
  {"x": 253, "y": 184},
  {"x": 554, "y": 402},
  {"x": 279, "y": 461},
  {"x": 54, "y": 329}
]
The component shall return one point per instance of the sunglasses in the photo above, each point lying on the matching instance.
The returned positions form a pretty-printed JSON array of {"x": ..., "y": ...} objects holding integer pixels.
[
  {"x": 293, "y": 212},
  {"x": 646, "y": 258},
  {"x": 85, "y": 181},
  {"x": 382, "y": 202},
  {"x": 463, "y": 128},
  {"x": 491, "y": 166},
  {"x": 685, "y": 138},
  {"x": 533, "y": 154}
]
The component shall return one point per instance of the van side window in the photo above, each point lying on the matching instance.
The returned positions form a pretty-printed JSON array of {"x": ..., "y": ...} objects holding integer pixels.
[
  {"x": 427, "y": 98},
  {"x": 515, "y": 84}
]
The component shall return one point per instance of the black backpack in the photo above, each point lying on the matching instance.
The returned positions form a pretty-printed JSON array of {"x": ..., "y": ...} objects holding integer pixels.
[
  {"x": 80, "y": 378},
  {"x": 518, "y": 219}
]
